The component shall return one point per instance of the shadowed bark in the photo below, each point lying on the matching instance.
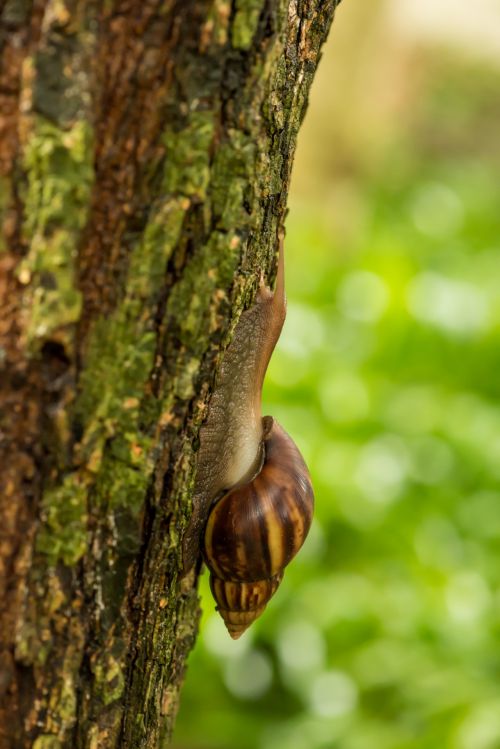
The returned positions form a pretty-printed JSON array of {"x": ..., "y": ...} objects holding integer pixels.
[{"x": 145, "y": 159}]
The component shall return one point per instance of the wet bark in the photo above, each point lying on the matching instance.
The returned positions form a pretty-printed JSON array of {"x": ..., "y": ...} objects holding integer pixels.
[{"x": 145, "y": 159}]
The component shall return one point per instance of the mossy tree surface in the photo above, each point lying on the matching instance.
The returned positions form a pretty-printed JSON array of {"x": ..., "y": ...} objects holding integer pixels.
[{"x": 144, "y": 168}]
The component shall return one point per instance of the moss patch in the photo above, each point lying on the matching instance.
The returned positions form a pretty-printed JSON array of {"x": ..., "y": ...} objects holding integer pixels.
[
  {"x": 233, "y": 164},
  {"x": 47, "y": 741},
  {"x": 245, "y": 22},
  {"x": 59, "y": 176},
  {"x": 187, "y": 169},
  {"x": 63, "y": 532}
]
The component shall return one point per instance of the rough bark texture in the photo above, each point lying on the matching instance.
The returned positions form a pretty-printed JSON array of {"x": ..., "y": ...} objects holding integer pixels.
[{"x": 146, "y": 148}]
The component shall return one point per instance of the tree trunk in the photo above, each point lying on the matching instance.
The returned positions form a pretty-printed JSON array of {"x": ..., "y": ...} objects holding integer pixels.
[{"x": 146, "y": 149}]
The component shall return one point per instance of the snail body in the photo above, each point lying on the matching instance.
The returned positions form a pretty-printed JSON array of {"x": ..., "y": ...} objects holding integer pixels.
[{"x": 253, "y": 497}]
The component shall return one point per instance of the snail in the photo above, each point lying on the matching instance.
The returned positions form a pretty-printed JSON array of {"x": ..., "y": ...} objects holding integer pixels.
[{"x": 251, "y": 480}]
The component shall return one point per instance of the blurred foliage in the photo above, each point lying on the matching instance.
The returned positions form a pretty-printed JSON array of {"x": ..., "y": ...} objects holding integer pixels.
[{"x": 384, "y": 632}]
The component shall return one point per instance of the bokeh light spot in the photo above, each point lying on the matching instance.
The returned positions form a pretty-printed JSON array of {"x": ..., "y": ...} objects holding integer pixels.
[
  {"x": 467, "y": 596},
  {"x": 303, "y": 332},
  {"x": 431, "y": 460},
  {"x": 301, "y": 646},
  {"x": 363, "y": 296},
  {"x": 437, "y": 211},
  {"x": 481, "y": 727},
  {"x": 438, "y": 543},
  {"x": 332, "y": 694},
  {"x": 454, "y": 306},
  {"x": 344, "y": 398},
  {"x": 382, "y": 469},
  {"x": 249, "y": 676}
]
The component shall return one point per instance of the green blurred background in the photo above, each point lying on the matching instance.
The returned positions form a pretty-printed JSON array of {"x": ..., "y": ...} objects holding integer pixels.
[{"x": 385, "y": 631}]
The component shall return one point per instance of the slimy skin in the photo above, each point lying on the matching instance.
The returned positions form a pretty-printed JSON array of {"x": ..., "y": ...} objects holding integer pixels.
[
  {"x": 252, "y": 483},
  {"x": 231, "y": 438}
]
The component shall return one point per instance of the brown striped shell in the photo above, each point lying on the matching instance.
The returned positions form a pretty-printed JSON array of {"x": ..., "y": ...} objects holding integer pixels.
[{"x": 256, "y": 529}]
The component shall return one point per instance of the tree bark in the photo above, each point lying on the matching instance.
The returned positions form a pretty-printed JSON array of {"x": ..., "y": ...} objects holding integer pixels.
[{"x": 145, "y": 159}]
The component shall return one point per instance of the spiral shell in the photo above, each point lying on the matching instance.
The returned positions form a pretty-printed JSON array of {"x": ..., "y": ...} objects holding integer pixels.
[{"x": 256, "y": 529}]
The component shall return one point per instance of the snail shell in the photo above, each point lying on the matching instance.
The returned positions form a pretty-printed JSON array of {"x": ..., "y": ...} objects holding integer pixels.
[{"x": 256, "y": 529}]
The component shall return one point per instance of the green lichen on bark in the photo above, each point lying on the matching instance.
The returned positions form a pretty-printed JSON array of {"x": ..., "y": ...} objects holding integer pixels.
[
  {"x": 216, "y": 24},
  {"x": 59, "y": 174},
  {"x": 63, "y": 531},
  {"x": 233, "y": 165},
  {"x": 204, "y": 275},
  {"x": 188, "y": 156},
  {"x": 120, "y": 355},
  {"x": 47, "y": 741},
  {"x": 245, "y": 22},
  {"x": 110, "y": 678}
]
